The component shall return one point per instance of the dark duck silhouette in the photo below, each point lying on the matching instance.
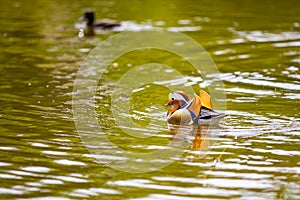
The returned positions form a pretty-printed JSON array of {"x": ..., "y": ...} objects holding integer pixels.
[{"x": 103, "y": 24}]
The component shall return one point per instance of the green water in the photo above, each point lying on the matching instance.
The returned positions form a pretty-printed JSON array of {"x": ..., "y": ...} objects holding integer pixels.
[{"x": 254, "y": 154}]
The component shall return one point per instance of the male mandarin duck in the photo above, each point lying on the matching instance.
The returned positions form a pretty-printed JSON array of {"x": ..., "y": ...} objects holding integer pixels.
[{"x": 196, "y": 111}]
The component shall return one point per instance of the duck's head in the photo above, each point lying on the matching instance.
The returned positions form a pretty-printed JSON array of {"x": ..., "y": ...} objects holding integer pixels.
[
  {"x": 178, "y": 98},
  {"x": 89, "y": 16},
  {"x": 177, "y": 114}
]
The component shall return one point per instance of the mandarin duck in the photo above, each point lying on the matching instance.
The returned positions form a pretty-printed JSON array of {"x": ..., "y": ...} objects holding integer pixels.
[{"x": 196, "y": 111}]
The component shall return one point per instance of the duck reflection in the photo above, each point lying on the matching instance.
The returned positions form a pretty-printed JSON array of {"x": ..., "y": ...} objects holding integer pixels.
[{"x": 199, "y": 137}]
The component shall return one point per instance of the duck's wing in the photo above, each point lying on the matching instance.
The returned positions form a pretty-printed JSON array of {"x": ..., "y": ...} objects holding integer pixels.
[
  {"x": 205, "y": 99},
  {"x": 209, "y": 117},
  {"x": 106, "y": 23},
  {"x": 195, "y": 105},
  {"x": 206, "y": 113}
]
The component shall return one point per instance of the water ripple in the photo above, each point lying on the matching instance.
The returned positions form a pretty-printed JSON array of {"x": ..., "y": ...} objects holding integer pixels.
[{"x": 260, "y": 36}]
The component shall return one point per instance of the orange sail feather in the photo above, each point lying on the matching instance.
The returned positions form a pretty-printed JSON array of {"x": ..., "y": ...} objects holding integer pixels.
[
  {"x": 205, "y": 99},
  {"x": 195, "y": 105}
]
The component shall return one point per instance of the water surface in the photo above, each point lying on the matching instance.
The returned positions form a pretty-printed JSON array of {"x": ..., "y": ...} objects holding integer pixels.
[{"x": 255, "y": 153}]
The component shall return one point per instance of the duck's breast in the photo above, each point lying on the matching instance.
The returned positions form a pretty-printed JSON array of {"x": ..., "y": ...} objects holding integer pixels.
[{"x": 180, "y": 116}]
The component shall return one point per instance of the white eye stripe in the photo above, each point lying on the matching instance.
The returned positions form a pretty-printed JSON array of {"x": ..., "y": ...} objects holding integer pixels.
[{"x": 178, "y": 96}]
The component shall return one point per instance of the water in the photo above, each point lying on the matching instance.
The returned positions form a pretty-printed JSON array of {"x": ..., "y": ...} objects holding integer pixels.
[{"x": 254, "y": 154}]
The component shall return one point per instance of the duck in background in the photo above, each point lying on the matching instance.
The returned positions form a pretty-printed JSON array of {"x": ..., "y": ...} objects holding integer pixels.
[
  {"x": 91, "y": 24},
  {"x": 196, "y": 111}
]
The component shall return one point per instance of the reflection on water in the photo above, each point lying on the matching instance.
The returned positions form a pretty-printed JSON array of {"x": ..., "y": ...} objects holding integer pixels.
[
  {"x": 201, "y": 138},
  {"x": 254, "y": 154}
]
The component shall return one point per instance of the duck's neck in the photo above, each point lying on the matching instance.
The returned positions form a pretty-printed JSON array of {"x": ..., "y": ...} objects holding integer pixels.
[
  {"x": 173, "y": 109},
  {"x": 90, "y": 16},
  {"x": 90, "y": 22}
]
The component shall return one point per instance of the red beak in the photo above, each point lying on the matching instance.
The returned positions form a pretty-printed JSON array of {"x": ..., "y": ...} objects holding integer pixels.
[{"x": 169, "y": 103}]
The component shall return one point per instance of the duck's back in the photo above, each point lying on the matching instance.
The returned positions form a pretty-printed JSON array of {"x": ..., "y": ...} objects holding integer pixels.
[{"x": 107, "y": 23}]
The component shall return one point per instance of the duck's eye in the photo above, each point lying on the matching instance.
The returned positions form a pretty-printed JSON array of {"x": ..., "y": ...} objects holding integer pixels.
[{"x": 172, "y": 98}]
